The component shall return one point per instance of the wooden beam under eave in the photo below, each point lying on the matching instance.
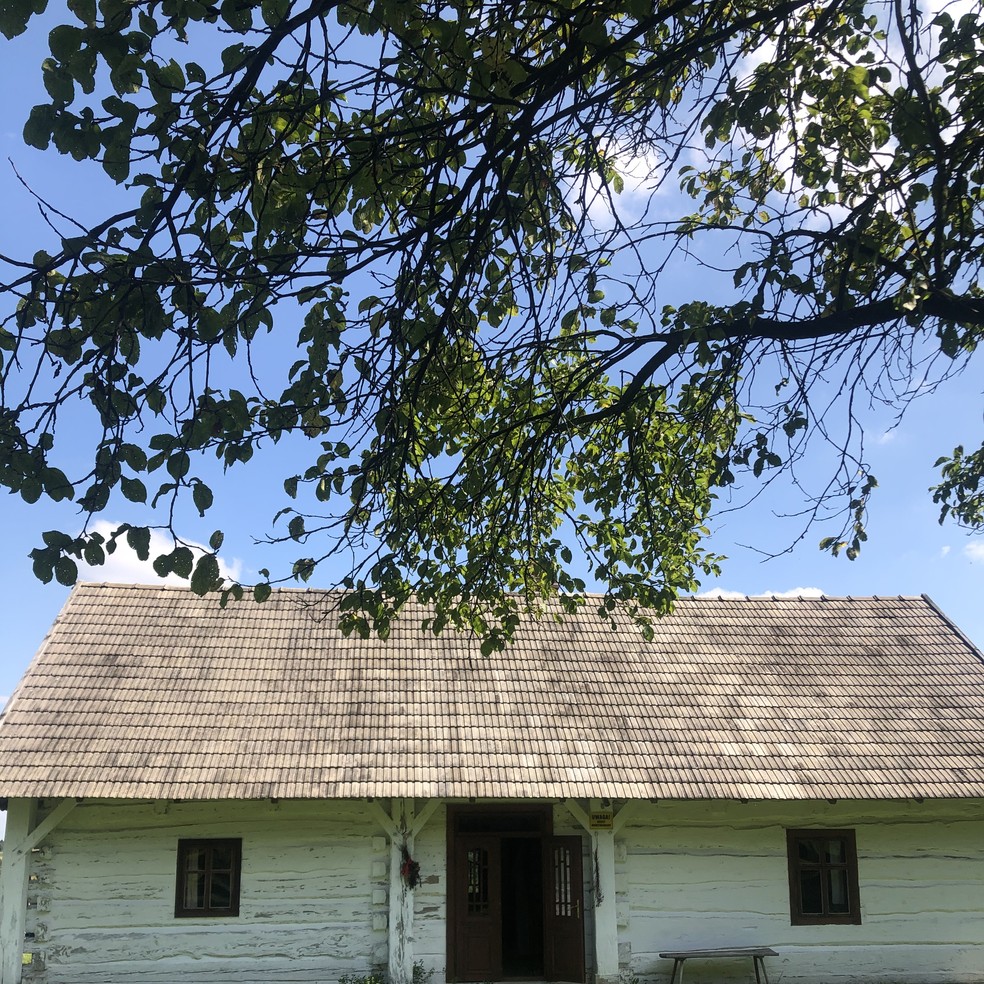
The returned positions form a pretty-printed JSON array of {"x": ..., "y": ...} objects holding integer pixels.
[{"x": 26, "y": 844}]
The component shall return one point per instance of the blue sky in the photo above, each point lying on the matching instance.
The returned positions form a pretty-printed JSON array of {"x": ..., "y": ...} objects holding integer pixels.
[{"x": 908, "y": 553}]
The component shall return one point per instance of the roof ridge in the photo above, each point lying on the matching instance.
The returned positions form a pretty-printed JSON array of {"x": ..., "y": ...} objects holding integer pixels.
[{"x": 759, "y": 597}]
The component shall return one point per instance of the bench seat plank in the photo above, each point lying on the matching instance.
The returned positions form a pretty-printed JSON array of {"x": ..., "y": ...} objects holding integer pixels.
[
  {"x": 727, "y": 951},
  {"x": 757, "y": 953}
]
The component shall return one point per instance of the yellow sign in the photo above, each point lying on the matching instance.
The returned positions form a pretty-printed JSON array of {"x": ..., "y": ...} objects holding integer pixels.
[
  {"x": 601, "y": 819},
  {"x": 27, "y": 959}
]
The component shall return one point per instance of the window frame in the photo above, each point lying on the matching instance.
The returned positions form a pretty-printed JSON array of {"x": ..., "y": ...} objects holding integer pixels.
[
  {"x": 210, "y": 844},
  {"x": 797, "y": 916}
]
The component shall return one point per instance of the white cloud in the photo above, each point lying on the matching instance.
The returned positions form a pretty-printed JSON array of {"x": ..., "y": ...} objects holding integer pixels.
[
  {"x": 123, "y": 566},
  {"x": 793, "y": 593},
  {"x": 790, "y": 593},
  {"x": 642, "y": 175},
  {"x": 974, "y": 551},
  {"x": 944, "y": 550},
  {"x": 887, "y": 437},
  {"x": 765, "y": 52},
  {"x": 721, "y": 593},
  {"x": 955, "y": 8}
]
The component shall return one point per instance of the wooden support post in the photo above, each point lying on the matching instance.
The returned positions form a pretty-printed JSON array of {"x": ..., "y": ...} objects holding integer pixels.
[
  {"x": 400, "y": 896},
  {"x": 605, "y": 916},
  {"x": 603, "y": 866},
  {"x": 13, "y": 888}
]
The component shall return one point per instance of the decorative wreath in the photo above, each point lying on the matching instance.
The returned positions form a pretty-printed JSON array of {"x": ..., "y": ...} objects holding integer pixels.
[{"x": 409, "y": 869}]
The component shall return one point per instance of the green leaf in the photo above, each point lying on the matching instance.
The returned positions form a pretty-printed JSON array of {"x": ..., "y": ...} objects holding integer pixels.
[
  {"x": 181, "y": 561},
  {"x": 31, "y": 489},
  {"x": 57, "y": 82},
  {"x": 133, "y": 489},
  {"x": 138, "y": 539},
  {"x": 239, "y": 16},
  {"x": 38, "y": 128},
  {"x": 15, "y": 15},
  {"x": 206, "y": 575},
  {"x": 42, "y": 566},
  {"x": 116, "y": 157},
  {"x": 178, "y": 465},
  {"x": 56, "y": 484},
  {"x": 84, "y": 10},
  {"x": 66, "y": 571},
  {"x": 64, "y": 41},
  {"x": 202, "y": 496},
  {"x": 94, "y": 554}
]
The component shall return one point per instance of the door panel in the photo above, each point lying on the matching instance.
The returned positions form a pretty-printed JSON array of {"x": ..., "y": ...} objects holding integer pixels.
[
  {"x": 478, "y": 905},
  {"x": 563, "y": 918}
]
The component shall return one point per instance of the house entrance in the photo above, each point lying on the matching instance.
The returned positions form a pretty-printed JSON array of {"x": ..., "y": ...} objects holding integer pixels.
[{"x": 514, "y": 897}]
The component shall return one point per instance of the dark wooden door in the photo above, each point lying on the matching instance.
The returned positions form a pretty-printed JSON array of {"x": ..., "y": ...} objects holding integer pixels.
[
  {"x": 563, "y": 917},
  {"x": 477, "y": 908}
]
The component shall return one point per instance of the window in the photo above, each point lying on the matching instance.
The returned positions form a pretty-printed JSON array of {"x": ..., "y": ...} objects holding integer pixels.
[
  {"x": 208, "y": 878},
  {"x": 823, "y": 877}
]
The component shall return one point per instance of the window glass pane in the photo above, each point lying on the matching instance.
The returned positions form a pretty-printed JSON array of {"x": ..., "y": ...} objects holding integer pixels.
[
  {"x": 837, "y": 890},
  {"x": 221, "y": 895},
  {"x": 811, "y": 896},
  {"x": 195, "y": 860},
  {"x": 809, "y": 850},
  {"x": 222, "y": 858},
  {"x": 835, "y": 852},
  {"x": 484, "y": 823},
  {"x": 478, "y": 881},
  {"x": 194, "y": 894},
  {"x": 563, "y": 887}
]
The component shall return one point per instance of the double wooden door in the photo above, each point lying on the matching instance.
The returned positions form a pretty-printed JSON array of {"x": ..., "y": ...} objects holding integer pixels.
[{"x": 516, "y": 908}]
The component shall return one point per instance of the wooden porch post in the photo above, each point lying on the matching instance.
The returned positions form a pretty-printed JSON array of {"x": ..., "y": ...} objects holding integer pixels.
[
  {"x": 603, "y": 866},
  {"x": 400, "y": 896},
  {"x": 402, "y": 824},
  {"x": 606, "y": 921},
  {"x": 13, "y": 887}
]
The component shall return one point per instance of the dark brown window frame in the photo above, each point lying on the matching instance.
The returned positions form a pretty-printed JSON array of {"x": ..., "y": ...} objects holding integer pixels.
[
  {"x": 796, "y": 915},
  {"x": 234, "y": 844}
]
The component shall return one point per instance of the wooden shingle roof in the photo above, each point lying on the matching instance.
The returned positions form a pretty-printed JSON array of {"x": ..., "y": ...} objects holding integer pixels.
[{"x": 152, "y": 692}]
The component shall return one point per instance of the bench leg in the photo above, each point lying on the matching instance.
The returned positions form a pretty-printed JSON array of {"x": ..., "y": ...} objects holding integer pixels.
[
  {"x": 759, "y": 963},
  {"x": 677, "y": 966}
]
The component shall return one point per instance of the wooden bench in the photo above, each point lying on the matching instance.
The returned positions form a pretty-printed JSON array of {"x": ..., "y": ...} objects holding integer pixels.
[{"x": 757, "y": 953}]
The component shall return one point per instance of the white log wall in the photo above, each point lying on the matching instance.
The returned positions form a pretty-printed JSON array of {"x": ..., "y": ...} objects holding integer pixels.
[
  {"x": 314, "y": 901},
  {"x": 715, "y": 875}
]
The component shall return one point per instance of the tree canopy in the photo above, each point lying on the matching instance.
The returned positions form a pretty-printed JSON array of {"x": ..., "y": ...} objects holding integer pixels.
[{"x": 466, "y": 220}]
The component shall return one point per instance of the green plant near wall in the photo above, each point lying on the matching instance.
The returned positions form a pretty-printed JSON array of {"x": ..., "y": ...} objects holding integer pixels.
[
  {"x": 420, "y": 975},
  {"x": 371, "y": 978}
]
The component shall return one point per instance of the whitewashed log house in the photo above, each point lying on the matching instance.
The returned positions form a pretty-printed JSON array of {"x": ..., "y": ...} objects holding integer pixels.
[{"x": 209, "y": 795}]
